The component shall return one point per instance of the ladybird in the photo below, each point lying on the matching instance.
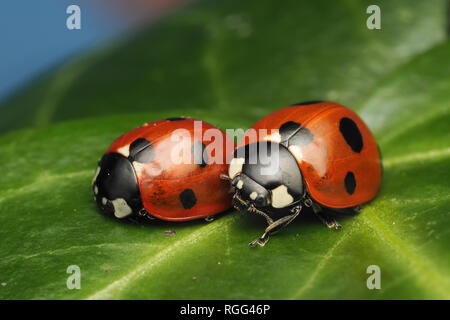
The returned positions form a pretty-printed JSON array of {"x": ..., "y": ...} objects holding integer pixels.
[
  {"x": 168, "y": 169},
  {"x": 314, "y": 154}
]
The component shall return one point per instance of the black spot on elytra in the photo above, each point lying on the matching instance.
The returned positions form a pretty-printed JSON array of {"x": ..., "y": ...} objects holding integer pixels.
[
  {"x": 301, "y": 138},
  {"x": 306, "y": 103},
  {"x": 188, "y": 199},
  {"x": 199, "y": 155},
  {"x": 292, "y": 133},
  {"x": 288, "y": 129},
  {"x": 351, "y": 134},
  {"x": 176, "y": 119},
  {"x": 141, "y": 150},
  {"x": 350, "y": 182}
]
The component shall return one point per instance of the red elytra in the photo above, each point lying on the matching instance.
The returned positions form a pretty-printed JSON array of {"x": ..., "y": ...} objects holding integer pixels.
[
  {"x": 321, "y": 155},
  {"x": 342, "y": 152},
  {"x": 174, "y": 181}
]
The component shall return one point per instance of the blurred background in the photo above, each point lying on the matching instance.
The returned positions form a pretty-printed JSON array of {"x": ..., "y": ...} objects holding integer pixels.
[
  {"x": 35, "y": 38},
  {"x": 186, "y": 57}
]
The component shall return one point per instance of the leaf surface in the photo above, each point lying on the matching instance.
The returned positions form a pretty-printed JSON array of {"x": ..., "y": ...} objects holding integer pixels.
[{"x": 224, "y": 63}]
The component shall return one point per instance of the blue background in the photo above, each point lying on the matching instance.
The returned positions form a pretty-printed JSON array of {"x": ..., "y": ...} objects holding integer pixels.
[{"x": 34, "y": 37}]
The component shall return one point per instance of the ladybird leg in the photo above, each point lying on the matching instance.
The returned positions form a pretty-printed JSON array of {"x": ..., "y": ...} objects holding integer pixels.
[
  {"x": 133, "y": 221},
  {"x": 209, "y": 218},
  {"x": 145, "y": 214},
  {"x": 276, "y": 226},
  {"x": 326, "y": 219},
  {"x": 260, "y": 241}
]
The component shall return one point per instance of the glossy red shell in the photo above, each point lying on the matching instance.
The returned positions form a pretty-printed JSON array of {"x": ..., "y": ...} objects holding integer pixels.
[
  {"x": 328, "y": 159},
  {"x": 162, "y": 181}
]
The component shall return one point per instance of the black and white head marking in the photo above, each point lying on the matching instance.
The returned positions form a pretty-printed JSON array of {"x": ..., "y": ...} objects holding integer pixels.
[
  {"x": 279, "y": 189},
  {"x": 115, "y": 186},
  {"x": 235, "y": 167},
  {"x": 281, "y": 197}
]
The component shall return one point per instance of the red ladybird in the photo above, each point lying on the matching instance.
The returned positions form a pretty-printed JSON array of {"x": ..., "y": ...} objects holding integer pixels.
[
  {"x": 321, "y": 154},
  {"x": 166, "y": 169}
]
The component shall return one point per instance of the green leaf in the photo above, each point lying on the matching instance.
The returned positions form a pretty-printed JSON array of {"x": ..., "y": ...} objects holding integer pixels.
[{"x": 397, "y": 79}]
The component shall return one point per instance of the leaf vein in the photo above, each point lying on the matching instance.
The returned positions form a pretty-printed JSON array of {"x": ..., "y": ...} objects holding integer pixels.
[
  {"x": 37, "y": 183},
  {"x": 426, "y": 272},
  {"x": 117, "y": 286},
  {"x": 435, "y": 154}
]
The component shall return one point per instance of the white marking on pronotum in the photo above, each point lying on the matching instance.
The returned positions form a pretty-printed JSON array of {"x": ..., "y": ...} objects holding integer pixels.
[
  {"x": 297, "y": 152},
  {"x": 274, "y": 137},
  {"x": 121, "y": 208},
  {"x": 235, "y": 167},
  {"x": 240, "y": 184},
  {"x": 138, "y": 168},
  {"x": 104, "y": 201},
  {"x": 95, "y": 190},
  {"x": 281, "y": 197},
  {"x": 125, "y": 151},
  {"x": 253, "y": 195},
  {"x": 96, "y": 175}
]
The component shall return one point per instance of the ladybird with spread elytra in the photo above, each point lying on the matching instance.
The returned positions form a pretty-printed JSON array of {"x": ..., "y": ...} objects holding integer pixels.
[
  {"x": 142, "y": 173},
  {"x": 326, "y": 159}
]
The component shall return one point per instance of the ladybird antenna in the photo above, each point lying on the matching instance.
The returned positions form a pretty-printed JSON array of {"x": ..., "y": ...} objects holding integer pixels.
[{"x": 253, "y": 209}]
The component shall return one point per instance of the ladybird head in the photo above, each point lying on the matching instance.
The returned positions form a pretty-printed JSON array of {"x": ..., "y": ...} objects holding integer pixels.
[
  {"x": 115, "y": 187},
  {"x": 265, "y": 176},
  {"x": 249, "y": 193}
]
